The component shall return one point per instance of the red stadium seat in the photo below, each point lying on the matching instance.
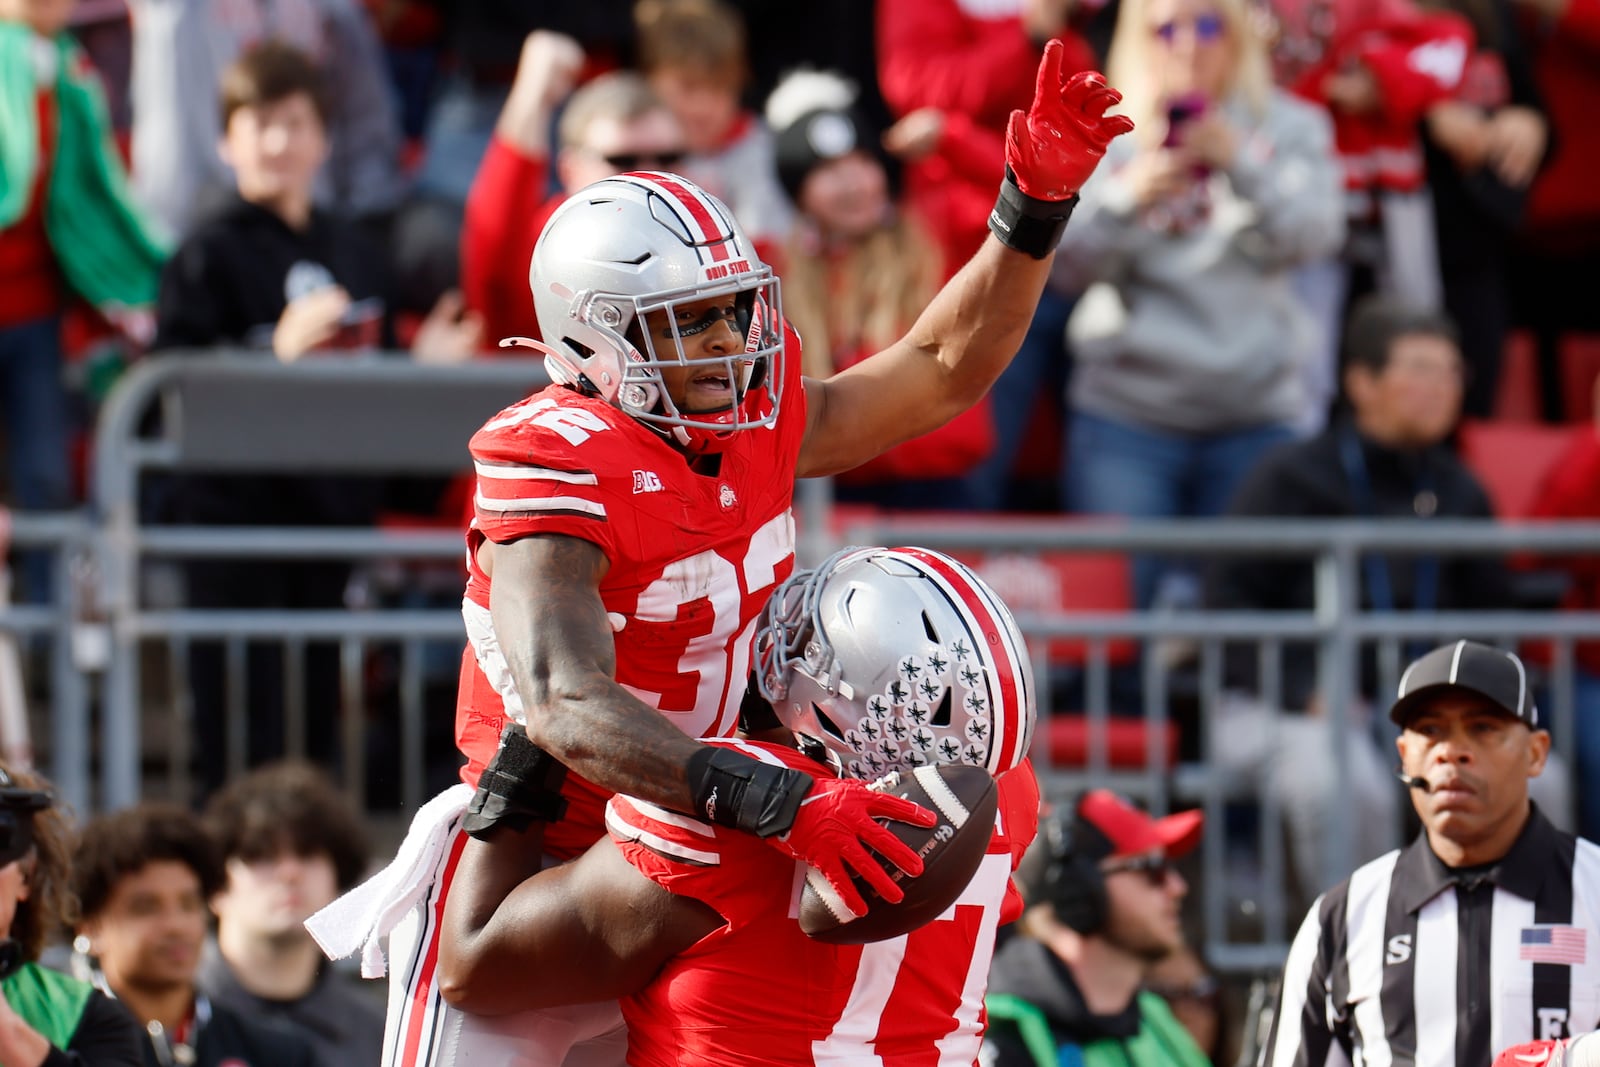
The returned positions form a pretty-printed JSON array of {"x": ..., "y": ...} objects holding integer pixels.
[
  {"x": 1580, "y": 367},
  {"x": 1127, "y": 743},
  {"x": 1517, "y": 395},
  {"x": 1511, "y": 459}
]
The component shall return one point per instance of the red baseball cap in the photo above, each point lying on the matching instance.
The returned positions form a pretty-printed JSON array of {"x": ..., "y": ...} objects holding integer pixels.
[{"x": 1133, "y": 832}]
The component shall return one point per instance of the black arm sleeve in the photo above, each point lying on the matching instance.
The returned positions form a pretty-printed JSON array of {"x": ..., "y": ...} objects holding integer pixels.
[{"x": 107, "y": 1036}]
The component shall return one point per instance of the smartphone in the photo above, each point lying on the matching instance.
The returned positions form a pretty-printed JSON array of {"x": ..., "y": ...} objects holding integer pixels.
[{"x": 1180, "y": 112}]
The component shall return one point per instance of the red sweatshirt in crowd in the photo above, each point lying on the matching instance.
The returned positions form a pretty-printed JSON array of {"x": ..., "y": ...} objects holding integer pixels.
[
  {"x": 1416, "y": 57},
  {"x": 507, "y": 209},
  {"x": 932, "y": 53},
  {"x": 30, "y": 284},
  {"x": 1565, "y": 202}
]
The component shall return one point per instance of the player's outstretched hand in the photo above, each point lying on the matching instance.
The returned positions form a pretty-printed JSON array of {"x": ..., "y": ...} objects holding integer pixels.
[
  {"x": 1054, "y": 146},
  {"x": 837, "y": 825}
]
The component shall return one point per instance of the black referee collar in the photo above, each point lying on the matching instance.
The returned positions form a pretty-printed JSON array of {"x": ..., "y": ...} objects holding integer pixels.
[{"x": 1420, "y": 875}]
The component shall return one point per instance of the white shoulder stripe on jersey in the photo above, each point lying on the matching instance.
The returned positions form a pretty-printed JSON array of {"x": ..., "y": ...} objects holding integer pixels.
[
  {"x": 618, "y": 824},
  {"x": 672, "y": 818},
  {"x": 541, "y": 503},
  {"x": 548, "y": 474}
]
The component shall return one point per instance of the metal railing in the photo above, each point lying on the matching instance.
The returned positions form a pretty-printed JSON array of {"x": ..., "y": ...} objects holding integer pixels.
[{"x": 388, "y": 415}]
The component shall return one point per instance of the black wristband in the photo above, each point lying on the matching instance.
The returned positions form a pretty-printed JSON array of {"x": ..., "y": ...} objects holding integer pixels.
[
  {"x": 521, "y": 785},
  {"x": 746, "y": 794},
  {"x": 1026, "y": 223}
]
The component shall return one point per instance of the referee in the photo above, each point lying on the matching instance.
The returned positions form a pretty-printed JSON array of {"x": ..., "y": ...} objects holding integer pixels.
[{"x": 1482, "y": 933}]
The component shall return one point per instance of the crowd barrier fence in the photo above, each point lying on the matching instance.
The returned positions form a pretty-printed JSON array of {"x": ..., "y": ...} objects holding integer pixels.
[{"x": 120, "y": 726}]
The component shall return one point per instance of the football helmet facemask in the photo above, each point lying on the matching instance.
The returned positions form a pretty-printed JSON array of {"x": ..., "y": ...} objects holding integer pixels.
[
  {"x": 628, "y": 252},
  {"x": 895, "y": 658}
]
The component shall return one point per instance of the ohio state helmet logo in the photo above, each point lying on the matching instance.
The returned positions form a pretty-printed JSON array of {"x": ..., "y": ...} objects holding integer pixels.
[{"x": 727, "y": 497}]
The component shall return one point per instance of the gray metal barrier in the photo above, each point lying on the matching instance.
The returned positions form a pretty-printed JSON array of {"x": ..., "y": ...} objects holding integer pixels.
[
  {"x": 386, "y": 415},
  {"x": 65, "y": 537},
  {"x": 1337, "y": 625},
  {"x": 248, "y": 414}
]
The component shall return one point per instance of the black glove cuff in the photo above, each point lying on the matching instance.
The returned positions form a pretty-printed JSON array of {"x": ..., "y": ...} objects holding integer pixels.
[
  {"x": 520, "y": 786},
  {"x": 1026, "y": 223},
  {"x": 746, "y": 794}
]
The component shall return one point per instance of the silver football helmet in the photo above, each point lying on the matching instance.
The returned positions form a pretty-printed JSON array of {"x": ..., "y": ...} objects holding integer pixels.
[
  {"x": 636, "y": 244},
  {"x": 896, "y": 658}
]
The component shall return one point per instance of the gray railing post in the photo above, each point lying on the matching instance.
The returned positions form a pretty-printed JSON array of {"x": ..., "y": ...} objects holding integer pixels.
[{"x": 1337, "y": 600}]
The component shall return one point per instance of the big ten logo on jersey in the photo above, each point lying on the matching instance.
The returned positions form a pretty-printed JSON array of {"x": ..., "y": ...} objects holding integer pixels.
[
  {"x": 573, "y": 424},
  {"x": 646, "y": 482},
  {"x": 728, "y": 269}
]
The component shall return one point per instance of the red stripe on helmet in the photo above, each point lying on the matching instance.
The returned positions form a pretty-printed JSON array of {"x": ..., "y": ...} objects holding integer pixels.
[
  {"x": 712, "y": 234},
  {"x": 1009, "y": 672}
]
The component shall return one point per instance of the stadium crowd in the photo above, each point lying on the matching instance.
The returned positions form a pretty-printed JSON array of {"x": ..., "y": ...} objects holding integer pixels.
[{"x": 1348, "y": 242}]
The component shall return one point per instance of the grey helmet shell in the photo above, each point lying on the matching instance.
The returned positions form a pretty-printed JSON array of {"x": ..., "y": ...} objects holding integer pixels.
[{"x": 628, "y": 246}]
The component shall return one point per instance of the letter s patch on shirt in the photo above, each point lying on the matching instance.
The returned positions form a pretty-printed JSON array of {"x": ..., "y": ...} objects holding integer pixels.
[{"x": 1399, "y": 949}]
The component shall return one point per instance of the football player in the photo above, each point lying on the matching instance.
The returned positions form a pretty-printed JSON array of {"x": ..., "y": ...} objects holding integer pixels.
[
  {"x": 880, "y": 659},
  {"x": 632, "y": 519}
]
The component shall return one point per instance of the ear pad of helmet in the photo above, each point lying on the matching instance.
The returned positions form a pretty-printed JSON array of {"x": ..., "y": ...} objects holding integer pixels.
[{"x": 1073, "y": 883}]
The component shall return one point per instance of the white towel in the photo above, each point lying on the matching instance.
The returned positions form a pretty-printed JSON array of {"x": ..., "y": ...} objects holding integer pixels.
[{"x": 361, "y": 918}]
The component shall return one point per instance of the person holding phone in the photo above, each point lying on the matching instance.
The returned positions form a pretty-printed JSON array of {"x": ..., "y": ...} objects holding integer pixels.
[{"x": 1189, "y": 341}]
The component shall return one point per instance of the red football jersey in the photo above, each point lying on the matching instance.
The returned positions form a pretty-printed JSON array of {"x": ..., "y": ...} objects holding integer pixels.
[
  {"x": 758, "y": 990},
  {"x": 693, "y": 559}
]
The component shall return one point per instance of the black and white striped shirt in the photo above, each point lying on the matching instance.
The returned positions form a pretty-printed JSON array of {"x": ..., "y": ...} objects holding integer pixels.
[{"x": 1412, "y": 963}]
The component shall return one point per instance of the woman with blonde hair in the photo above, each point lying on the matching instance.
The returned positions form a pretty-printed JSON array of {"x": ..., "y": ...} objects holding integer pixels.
[
  {"x": 859, "y": 268},
  {"x": 1190, "y": 342}
]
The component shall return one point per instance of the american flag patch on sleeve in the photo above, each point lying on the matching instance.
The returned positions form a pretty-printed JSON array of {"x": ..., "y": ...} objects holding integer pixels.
[{"x": 1553, "y": 944}]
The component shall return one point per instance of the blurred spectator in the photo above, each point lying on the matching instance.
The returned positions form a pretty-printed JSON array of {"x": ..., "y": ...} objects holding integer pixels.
[
  {"x": 1104, "y": 909},
  {"x": 613, "y": 124},
  {"x": 1483, "y": 147},
  {"x": 1572, "y": 491},
  {"x": 693, "y": 54},
  {"x": 1189, "y": 340},
  {"x": 1385, "y": 458},
  {"x": 144, "y": 875},
  {"x": 67, "y": 227},
  {"x": 1378, "y": 66},
  {"x": 838, "y": 35},
  {"x": 47, "y": 1019},
  {"x": 484, "y": 41},
  {"x": 1553, "y": 277},
  {"x": 858, "y": 270},
  {"x": 1195, "y": 996},
  {"x": 182, "y": 47},
  {"x": 270, "y": 271},
  {"x": 973, "y": 64},
  {"x": 290, "y": 843}
]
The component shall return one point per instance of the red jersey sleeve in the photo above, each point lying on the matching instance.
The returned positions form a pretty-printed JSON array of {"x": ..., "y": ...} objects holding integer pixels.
[
  {"x": 733, "y": 872},
  {"x": 1018, "y": 825},
  {"x": 552, "y": 464}
]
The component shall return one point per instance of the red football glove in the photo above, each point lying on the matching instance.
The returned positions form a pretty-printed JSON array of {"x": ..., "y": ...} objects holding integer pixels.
[
  {"x": 837, "y": 824},
  {"x": 1054, "y": 146}
]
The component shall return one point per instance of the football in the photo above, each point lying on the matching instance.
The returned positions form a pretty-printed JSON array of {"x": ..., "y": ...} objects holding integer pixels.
[{"x": 964, "y": 798}]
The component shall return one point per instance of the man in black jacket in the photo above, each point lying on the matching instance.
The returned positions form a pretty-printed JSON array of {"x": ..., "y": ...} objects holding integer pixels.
[
  {"x": 1384, "y": 457},
  {"x": 144, "y": 876}
]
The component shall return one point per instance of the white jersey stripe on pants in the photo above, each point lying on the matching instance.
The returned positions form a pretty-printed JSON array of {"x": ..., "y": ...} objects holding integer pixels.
[
  {"x": 416, "y": 1010},
  {"x": 405, "y": 903}
]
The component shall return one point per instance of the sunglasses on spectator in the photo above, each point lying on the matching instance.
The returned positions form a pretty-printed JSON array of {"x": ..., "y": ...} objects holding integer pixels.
[
  {"x": 1155, "y": 868},
  {"x": 1207, "y": 28},
  {"x": 626, "y": 161}
]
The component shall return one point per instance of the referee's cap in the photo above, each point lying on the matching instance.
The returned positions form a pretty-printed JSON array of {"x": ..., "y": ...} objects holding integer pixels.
[{"x": 1492, "y": 673}]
